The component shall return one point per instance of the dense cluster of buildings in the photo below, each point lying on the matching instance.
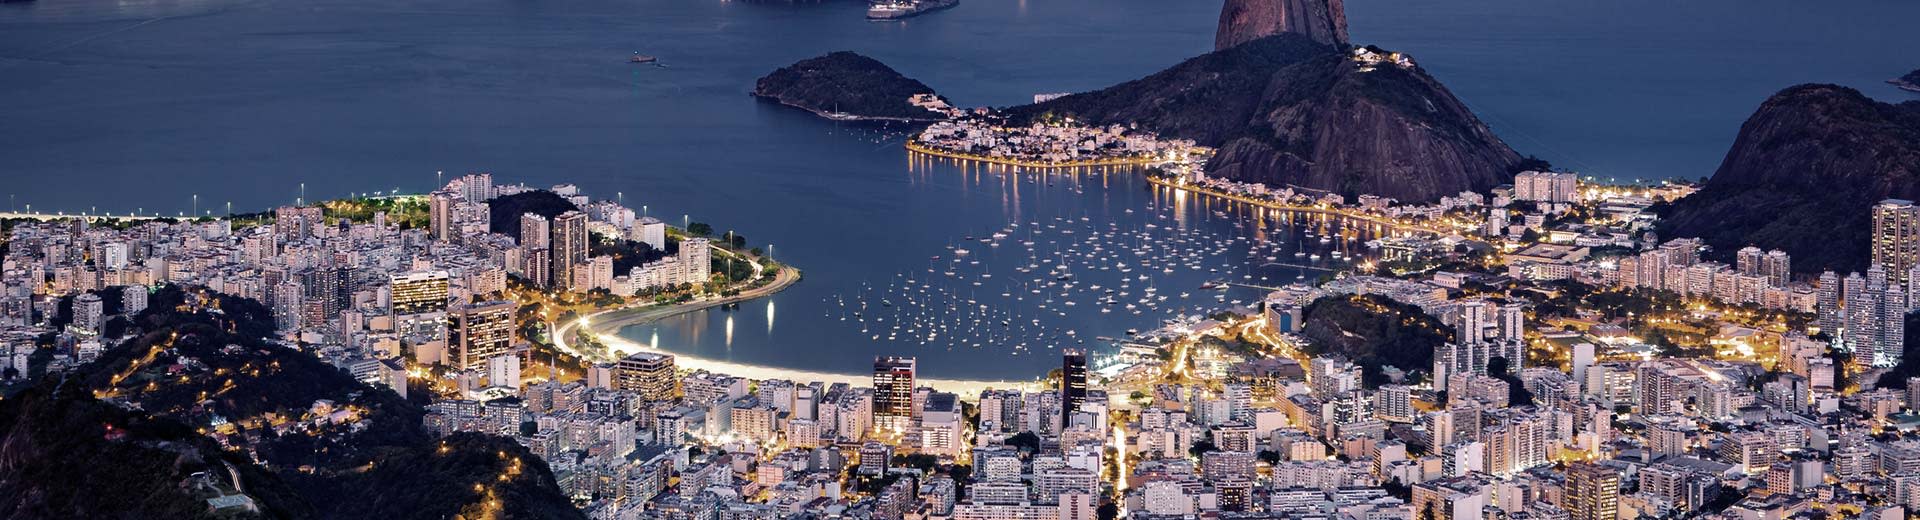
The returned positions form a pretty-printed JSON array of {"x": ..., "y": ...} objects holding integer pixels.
[
  {"x": 1516, "y": 416},
  {"x": 555, "y": 252},
  {"x": 373, "y": 296},
  {"x": 1040, "y": 143}
]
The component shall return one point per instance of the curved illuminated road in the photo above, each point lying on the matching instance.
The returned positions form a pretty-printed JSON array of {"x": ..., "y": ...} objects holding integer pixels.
[{"x": 606, "y": 325}]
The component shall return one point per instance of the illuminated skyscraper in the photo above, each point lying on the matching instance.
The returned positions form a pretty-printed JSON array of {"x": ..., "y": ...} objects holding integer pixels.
[
  {"x": 569, "y": 247},
  {"x": 650, "y": 374},
  {"x": 1827, "y": 312},
  {"x": 1896, "y": 237},
  {"x": 893, "y": 377},
  {"x": 1593, "y": 492},
  {"x": 417, "y": 293},
  {"x": 1073, "y": 383},
  {"x": 443, "y": 219},
  {"x": 478, "y": 332}
]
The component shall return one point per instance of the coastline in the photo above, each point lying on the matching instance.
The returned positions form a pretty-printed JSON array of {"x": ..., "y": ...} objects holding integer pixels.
[
  {"x": 915, "y": 146},
  {"x": 605, "y": 326},
  {"x": 842, "y": 116},
  {"x": 1370, "y": 219}
]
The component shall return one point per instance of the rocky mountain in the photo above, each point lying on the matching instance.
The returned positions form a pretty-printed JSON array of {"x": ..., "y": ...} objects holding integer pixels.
[
  {"x": 337, "y": 447},
  {"x": 1287, "y": 110},
  {"x": 1242, "y": 21},
  {"x": 1910, "y": 82},
  {"x": 1802, "y": 176},
  {"x": 848, "y": 86}
]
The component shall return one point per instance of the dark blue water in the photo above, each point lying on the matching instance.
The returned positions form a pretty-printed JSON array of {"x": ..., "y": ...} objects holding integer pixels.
[{"x": 143, "y": 104}]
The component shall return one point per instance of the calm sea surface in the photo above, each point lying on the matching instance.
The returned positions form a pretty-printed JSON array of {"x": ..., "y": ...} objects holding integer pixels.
[{"x": 113, "y": 106}]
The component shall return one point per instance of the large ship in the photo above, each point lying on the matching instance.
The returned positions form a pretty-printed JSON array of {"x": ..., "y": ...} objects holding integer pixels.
[{"x": 897, "y": 9}]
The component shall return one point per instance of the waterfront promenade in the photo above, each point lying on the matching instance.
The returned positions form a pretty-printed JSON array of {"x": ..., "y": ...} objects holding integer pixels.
[
  {"x": 1380, "y": 223},
  {"x": 1050, "y": 165},
  {"x": 62, "y": 216},
  {"x": 605, "y": 327}
]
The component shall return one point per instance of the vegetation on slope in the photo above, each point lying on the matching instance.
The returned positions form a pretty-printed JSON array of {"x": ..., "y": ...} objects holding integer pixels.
[
  {"x": 845, "y": 83},
  {"x": 503, "y": 212},
  {"x": 1803, "y": 176},
  {"x": 349, "y": 450},
  {"x": 1373, "y": 332}
]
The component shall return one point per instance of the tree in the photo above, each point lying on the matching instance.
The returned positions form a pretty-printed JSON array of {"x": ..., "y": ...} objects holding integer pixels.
[
  {"x": 699, "y": 229},
  {"x": 1026, "y": 441},
  {"x": 1202, "y": 447},
  {"x": 1107, "y": 511},
  {"x": 921, "y": 461},
  {"x": 1517, "y": 393}
]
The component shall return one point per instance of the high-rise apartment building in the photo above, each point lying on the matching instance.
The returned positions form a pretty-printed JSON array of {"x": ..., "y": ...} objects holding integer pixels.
[
  {"x": 417, "y": 293},
  {"x": 1073, "y": 383},
  {"x": 650, "y": 374},
  {"x": 89, "y": 313},
  {"x": 1896, "y": 237},
  {"x": 1537, "y": 186},
  {"x": 533, "y": 231},
  {"x": 569, "y": 247},
  {"x": 443, "y": 218},
  {"x": 1777, "y": 267},
  {"x": 893, "y": 380},
  {"x": 478, "y": 332},
  {"x": 1827, "y": 312},
  {"x": 293, "y": 223},
  {"x": 1593, "y": 492},
  {"x": 537, "y": 266}
]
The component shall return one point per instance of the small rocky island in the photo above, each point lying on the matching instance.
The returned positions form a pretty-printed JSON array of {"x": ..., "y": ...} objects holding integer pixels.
[
  {"x": 1909, "y": 82},
  {"x": 851, "y": 87}
]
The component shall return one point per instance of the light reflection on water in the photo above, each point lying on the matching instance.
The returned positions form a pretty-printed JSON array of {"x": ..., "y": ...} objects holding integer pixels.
[{"x": 1000, "y": 309}]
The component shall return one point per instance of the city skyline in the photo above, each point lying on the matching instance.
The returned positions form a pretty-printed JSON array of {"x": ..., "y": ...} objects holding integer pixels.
[{"x": 1261, "y": 259}]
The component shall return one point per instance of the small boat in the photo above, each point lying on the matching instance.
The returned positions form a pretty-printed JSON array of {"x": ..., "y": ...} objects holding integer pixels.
[{"x": 642, "y": 58}]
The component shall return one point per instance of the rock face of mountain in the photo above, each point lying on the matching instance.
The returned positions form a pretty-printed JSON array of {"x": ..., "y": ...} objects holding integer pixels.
[
  {"x": 1335, "y": 124},
  {"x": 847, "y": 86},
  {"x": 1286, "y": 110},
  {"x": 1242, "y": 21},
  {"x": 1803, "y": 175}
]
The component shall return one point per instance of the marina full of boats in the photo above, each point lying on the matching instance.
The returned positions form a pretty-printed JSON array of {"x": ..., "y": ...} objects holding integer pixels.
[{"x": 1033, "y": 286}]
